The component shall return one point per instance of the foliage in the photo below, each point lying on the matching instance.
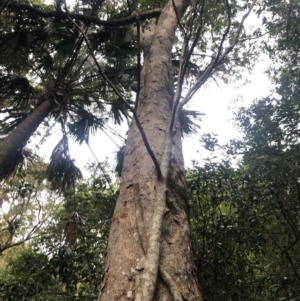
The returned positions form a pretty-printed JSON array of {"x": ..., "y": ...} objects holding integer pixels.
[
  {"x": 226, "y": 239},
  {"x": 26, "y": 204},
  {"x": 65, "y": 262},
  {"x": 245, "y": 220}
]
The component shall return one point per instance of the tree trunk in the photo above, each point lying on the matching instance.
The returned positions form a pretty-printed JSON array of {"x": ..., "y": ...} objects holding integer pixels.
[
  {"x": 140, "y": 188},
  {"x": 16, "y": 140}
]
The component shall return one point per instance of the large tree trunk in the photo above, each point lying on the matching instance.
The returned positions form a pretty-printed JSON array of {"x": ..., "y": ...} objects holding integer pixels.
[
  {"x": 140, "y": 187},
  {"x": 16, "y": 140}
]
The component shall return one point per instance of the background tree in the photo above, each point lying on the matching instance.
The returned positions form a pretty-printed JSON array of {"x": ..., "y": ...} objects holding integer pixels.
[
  {"x": 48, "y": 69},
  {"x": 65, "y": 261},
  {"x": 26, "y": 205},
  {"x": 245, "y": 224}
]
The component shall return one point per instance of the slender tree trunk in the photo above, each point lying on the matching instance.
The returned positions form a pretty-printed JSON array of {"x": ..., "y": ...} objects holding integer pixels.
[
  {"x": 141, "y": 191},
  {"x": 16, "y": 140}
]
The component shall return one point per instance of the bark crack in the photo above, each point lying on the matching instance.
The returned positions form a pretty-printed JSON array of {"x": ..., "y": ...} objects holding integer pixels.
[{"x": 139, "y": 218}]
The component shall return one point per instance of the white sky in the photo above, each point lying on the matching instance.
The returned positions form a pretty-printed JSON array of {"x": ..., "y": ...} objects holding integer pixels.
[{"x": 217, "y": 103}]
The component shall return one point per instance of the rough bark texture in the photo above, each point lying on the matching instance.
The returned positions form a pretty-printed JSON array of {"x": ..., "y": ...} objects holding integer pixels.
[
  {"x": 140, "y": 188},
  {"x": 17, "y": 139}
]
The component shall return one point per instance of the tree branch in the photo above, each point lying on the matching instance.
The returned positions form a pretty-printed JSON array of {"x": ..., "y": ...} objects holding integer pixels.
[
  {"x": 138, "y": 28},
  {"x": 225, "y": 33},
  {"x": 218, "y": 61},
  {"x": 15, "y": 244},
  {"x": 184, "y": 60},
  {"x": 86, "y": 18}
]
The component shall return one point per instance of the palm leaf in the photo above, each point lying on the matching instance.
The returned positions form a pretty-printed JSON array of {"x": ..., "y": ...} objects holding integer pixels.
[
  {"x": 120, "y": 160},
  {"x": 22, "y": 36},
  {"x": 64, "y": 38},
  {"x": 62, "y": 171},
  {"x": 86, "y": 124},
  {"x": 16, "y": 88},
  {"x": 187, "y": 124},
  {"x": 118, "y": 108}
]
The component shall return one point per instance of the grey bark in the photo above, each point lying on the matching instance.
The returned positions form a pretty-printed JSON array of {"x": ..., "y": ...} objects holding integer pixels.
[
  {"x": 132, "y": 269},
  {"x": 17, "y": 139}
]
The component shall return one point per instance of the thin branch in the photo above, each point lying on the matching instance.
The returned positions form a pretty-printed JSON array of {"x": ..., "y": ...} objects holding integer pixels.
[
  {"x": 216, "y": 62},
  {"x": 254, "y": 38},
  {"x": 133, "y": 111},
  {"x": 9, "y": 246},
  {"x": 70, "y": 62},
  {"x": 4, "y": 5},
  {"x": 285, "y": 252},
  {"x": 184, "y": 60},
  {"x": 178, "y": 19},
  {"x": 293, "y": 243},
  {"x": 74, "y": 54},
  {"x": 236, "y": 39},
  {"x": 110, "y": 138},
  {"x": 225, "y": 33},
  {"x": 203, "y": 55},
  {"x": 101, "y": 168},
  {"x": 86, "y": 18},
  {"x": 138, "y": 27},
  {"x": 96, "y": 7},
  {"x": 114, "y": 132},
  {"x": 187, "y": 56},
  {"x": 34, "y": 229},
  {"x": 209, "y": 69}
]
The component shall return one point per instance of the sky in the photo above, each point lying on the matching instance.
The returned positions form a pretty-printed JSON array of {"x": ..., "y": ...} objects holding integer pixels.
[{"x": 218, "y": 104}]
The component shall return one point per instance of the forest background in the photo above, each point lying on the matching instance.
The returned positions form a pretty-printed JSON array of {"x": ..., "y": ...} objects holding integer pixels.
[{"x": 244, "y": 205}]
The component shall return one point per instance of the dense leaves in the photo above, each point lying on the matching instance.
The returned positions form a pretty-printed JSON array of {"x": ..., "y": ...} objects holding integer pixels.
[
  {"x": 245, "y": 220},
  {"x": 65, "y": 262}
]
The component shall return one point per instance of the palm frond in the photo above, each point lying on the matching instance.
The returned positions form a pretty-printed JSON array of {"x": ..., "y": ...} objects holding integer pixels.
[
  {"x": 86, "y": 124},
  {"x": 118, "y": 108},
  {"x": 62, "y": 171},
  {"x": 64, "y": 38},
  {"x": 12, "y": 45},
  {"x": 21, "y": 36},
  {"x": 187, "y": 124},
  {"x": 120, "y": 160},
  {"x": 15, "y": 88}
]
